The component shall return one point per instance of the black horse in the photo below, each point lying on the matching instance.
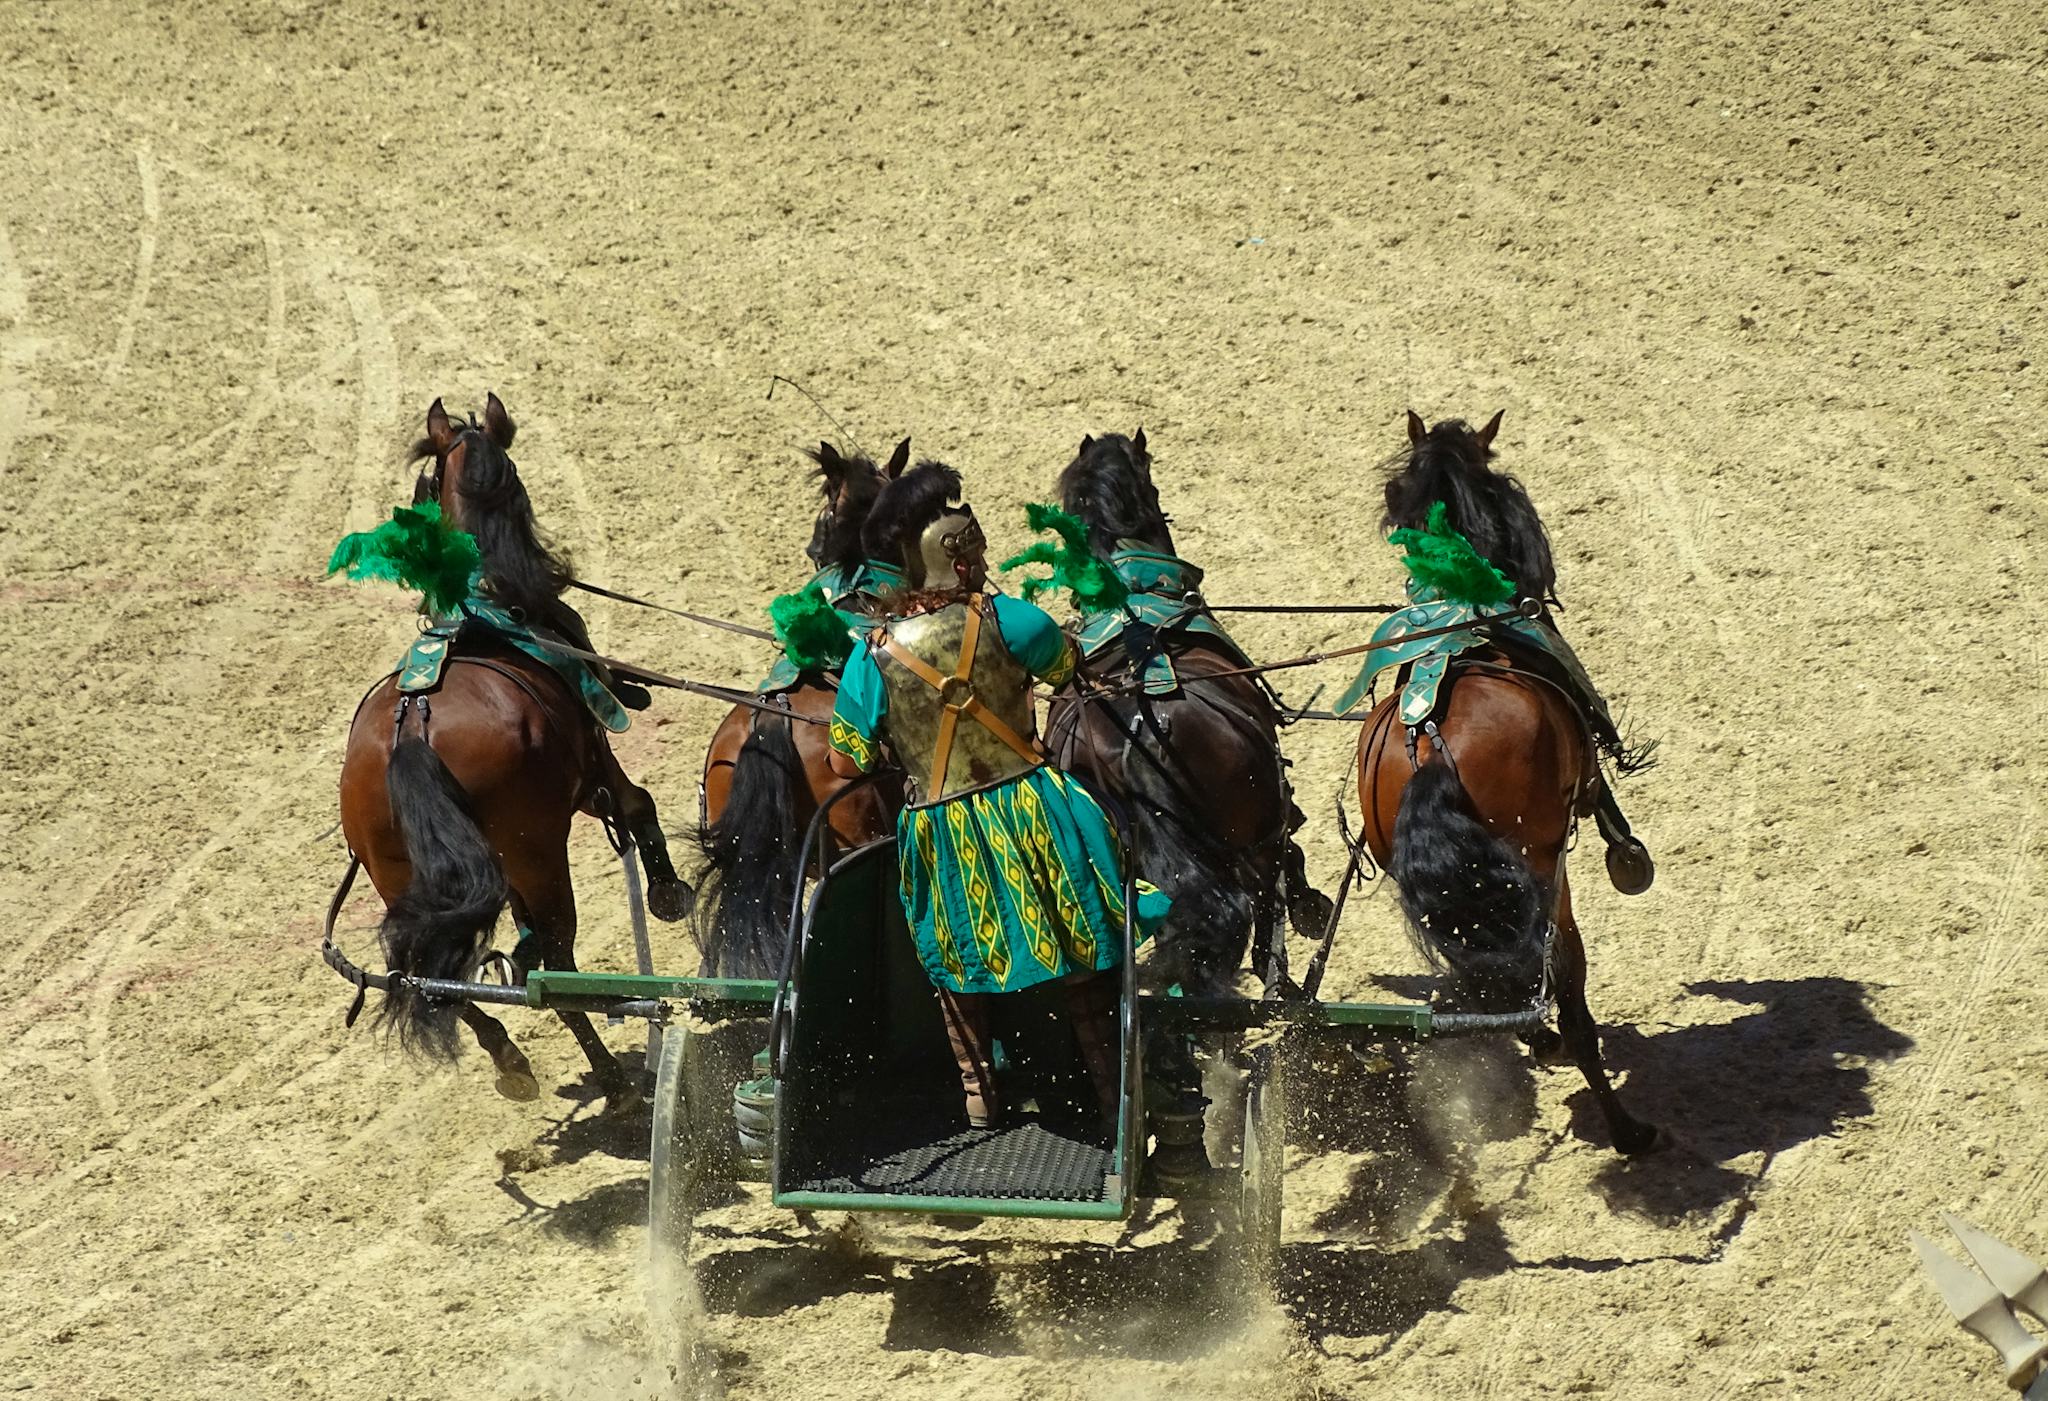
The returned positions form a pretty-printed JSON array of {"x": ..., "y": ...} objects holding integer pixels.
[{"x": 1198, "y": 770}]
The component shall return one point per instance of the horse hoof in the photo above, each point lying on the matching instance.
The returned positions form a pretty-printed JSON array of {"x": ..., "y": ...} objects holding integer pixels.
[
  {"x": 1630, "y": 868},
  {"x": 517, "y": 1084},
  {"x": 1546, "y": 1047},
  {"x": 670, "y": 900},
  {"x": 1639, "y": 1139},
  {"x": 622, "y": 1096},
  {"x": 1308, "y": 914}
]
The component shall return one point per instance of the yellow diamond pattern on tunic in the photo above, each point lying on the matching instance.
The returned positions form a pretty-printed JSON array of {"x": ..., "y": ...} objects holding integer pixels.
[
  {"x": 1063, "y": 668},
  {"x": 1023, "y": 899},
  {"x": 942, "y": 931},
  {"x": 850, "y": 742},
  {"x": 1112, "y": 898},
  {"x": 1038, "y": 831},
  {"x": 981, "y": 896}
]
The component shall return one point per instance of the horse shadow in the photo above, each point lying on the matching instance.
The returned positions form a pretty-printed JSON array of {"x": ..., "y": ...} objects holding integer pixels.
[
  {"x": 586, "y": 1129},
  {"x": 1173, "y": 1301},
  {"x": 1793, "y": 1070}
]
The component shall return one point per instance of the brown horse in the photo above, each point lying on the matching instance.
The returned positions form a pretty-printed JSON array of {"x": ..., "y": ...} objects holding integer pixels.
[
  {"x": 458, "y": 801},
  {"x": 765, "y": 777},
  {"x": 1198, "y": 772},
  {"x": 1473, "y": 823}
]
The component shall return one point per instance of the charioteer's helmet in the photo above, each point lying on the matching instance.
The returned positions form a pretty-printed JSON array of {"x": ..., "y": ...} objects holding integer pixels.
[
  {"x": 948, "y": 545},
  {"x": 922, "y": 521}
]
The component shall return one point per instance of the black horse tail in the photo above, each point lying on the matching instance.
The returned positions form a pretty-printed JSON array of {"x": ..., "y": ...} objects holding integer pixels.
[
  {"x": 440, "y": 926},
  {"x": 750, "y": 856},
  {"x": 1209, "y": 926},
  {"x": 1471, "y": 900}
]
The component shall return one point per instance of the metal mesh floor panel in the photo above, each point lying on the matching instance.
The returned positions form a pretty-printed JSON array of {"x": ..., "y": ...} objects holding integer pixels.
[{"x": 1026, "y": 1161}]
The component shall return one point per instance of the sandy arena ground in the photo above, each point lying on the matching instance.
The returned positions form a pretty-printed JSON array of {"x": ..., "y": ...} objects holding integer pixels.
[{"x": 1758, "y": 287}]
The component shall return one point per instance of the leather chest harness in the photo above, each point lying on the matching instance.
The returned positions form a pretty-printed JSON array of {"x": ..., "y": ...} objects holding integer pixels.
[{"x": 926, "y": 704}]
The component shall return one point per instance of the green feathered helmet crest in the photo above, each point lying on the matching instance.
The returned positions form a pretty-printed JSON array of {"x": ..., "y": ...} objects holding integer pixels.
[
  {"x": 1088, "y": 579},
  {"x": 415, "y": 549},
  {"x": 1443, "y": 561}
]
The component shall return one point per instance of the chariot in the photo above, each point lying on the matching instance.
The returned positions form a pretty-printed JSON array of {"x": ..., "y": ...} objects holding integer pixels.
[{"x": 832, "y": 1087}]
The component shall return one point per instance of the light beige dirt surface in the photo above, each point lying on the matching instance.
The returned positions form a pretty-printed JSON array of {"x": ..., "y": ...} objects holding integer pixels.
[{"x": 1758, "y": 287}]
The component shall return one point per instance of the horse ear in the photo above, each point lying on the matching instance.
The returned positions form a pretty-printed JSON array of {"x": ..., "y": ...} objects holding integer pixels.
[
  {"x": 1417, "y": 429},
  {"x": 439, "y": 432},
  {"x": 898, "y": 460},
  {"x": 1138, "y": 440},
  {"x": 830, "y": 463},
  {"x": 1492, "y": 427},
  {"x": 498, "y": 423},
  {"x": 1087, "y": 441}
]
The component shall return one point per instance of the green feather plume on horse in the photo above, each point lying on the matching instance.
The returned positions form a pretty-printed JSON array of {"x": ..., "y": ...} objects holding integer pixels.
[{"x": 415, "y": 549}]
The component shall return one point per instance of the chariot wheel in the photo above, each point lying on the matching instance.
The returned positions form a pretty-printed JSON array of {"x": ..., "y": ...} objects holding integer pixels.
[
  {"x": 1262, "y": 1167},
  {"x": 691, "y": 1159},
  {"x": 692, "y": 1153},
  {"x": 677, "y": 1156}
]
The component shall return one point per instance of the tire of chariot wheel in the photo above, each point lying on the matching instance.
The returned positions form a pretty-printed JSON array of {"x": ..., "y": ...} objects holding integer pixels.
[{"x": 1263, "y": 1167}]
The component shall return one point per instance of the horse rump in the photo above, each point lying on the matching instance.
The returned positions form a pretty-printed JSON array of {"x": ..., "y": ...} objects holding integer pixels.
[
  {"x": 1473, "y": 904},
  {"x": 750, "y": 856},
  {"x": 441, "y": 925}
]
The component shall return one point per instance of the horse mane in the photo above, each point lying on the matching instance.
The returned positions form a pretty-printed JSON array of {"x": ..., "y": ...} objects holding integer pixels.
[
  {"x": 905, "y": 507},
  {"x": 840, "y": 546},
  {"x": 1490, "y": 508},
  {"x": 521, "y": 568},
  {"x": 1109, "y": 486}
]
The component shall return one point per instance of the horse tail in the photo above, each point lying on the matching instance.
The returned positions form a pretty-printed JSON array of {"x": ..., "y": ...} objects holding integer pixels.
[
  {"x": 750, "y": 856},
  {"x": 439, "y": 927},
  {"x": 1209, "y": 924},
  {"x": 1472, "y": 902}
]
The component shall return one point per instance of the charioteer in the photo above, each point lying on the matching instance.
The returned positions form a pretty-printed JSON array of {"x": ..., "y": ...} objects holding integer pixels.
[{"x": 1011, "y": 874}]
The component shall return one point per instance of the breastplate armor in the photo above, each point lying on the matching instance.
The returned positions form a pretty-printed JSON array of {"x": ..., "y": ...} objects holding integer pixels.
[{"x": 956, "y": 728}]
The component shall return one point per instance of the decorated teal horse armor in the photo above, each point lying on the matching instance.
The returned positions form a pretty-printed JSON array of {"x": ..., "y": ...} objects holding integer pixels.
[
  {"x": 420, "y": 668},
  {"x": 1424, "y": 661},
  {"x": 856, "y": 589},
  {"x": 1165, "y": 596},
  {"x": 1450, "y": 584}
]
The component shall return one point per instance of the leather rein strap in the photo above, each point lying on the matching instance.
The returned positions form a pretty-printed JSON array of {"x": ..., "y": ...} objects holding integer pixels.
[{"x": 948, "y": 686}]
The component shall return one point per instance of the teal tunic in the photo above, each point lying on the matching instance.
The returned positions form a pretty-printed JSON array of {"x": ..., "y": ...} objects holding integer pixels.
[{"x": 1010, "y": 885}]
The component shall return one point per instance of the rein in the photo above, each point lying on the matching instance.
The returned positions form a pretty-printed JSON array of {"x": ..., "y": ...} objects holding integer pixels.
[
  {"x": 1528, "y": 608},
  {"x": 1303, "y": 607},
  {"x": 741, "y": 628},
  {"x": 636, "y": 672}
]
